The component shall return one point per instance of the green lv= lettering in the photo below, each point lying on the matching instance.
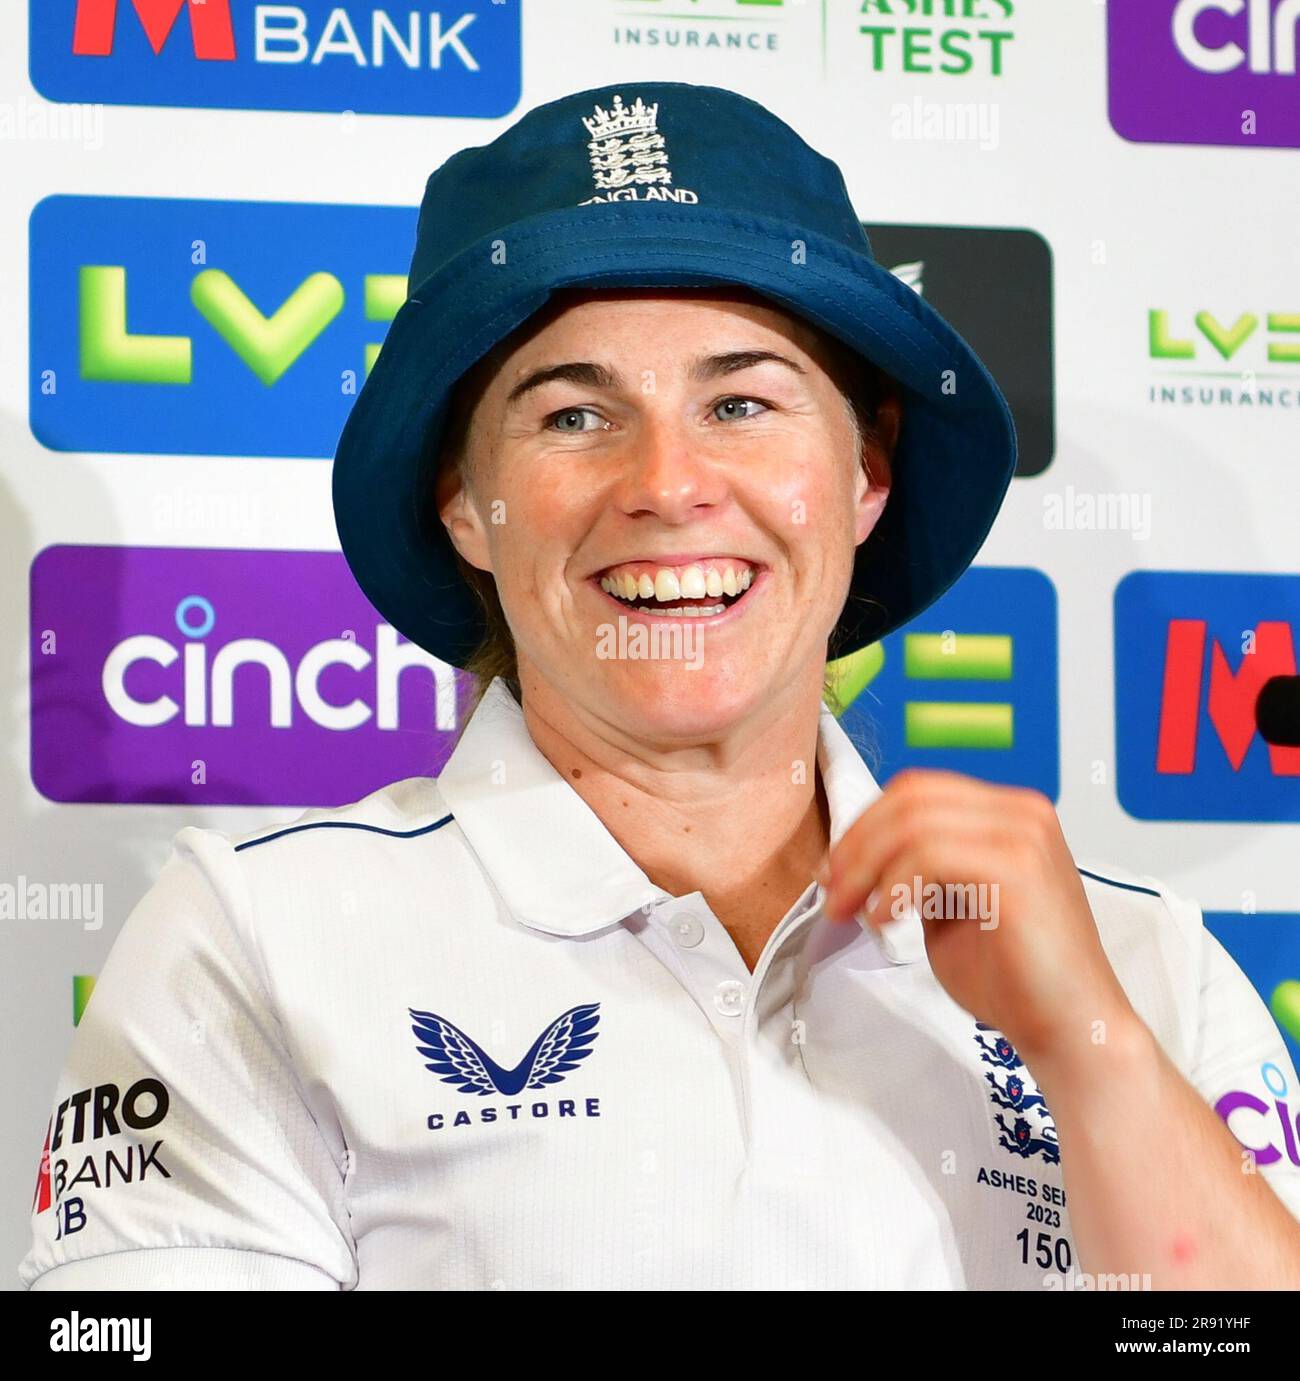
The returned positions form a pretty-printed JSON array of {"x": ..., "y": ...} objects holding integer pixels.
[
  {"x": 267, "y": 345},
  {"x": 1227, "y": 340}
]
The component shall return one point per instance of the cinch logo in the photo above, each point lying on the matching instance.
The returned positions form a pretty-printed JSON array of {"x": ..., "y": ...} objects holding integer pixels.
[
  {"x": 962, "y": 688},
  {"x": 1259, "y": 1119},
  {"x": 225, "y": 677},
  {"x": 1267, "y": 27},
  {"x": 461, "y": 58},
  {"x": 255, "y": 342},
  {"x": 1182, "y": 348},
  {"x": 1192, "y": 652},
  {"x": 1205, "y": 71}
]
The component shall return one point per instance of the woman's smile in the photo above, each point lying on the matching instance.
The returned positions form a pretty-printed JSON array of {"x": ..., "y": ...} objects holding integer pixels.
[{"x": 705, "y": 589}]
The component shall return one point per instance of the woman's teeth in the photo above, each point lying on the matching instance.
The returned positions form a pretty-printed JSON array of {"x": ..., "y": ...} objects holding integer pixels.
[
  {"x": 691, "y": 611},
  {"x": 670, "y": 587}
]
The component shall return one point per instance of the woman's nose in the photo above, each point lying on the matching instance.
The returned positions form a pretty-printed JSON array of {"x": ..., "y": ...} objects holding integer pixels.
[{"x": 669, "y": 473}]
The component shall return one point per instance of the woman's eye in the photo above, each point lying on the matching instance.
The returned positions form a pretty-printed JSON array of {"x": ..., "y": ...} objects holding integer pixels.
[
  {"x": 575, "y": 420},
  {"x": 728, "y": 409}
]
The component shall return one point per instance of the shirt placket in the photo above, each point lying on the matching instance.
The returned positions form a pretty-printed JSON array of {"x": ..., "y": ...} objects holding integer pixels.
[
  {"x": 752, "y": 1014},
  {"x": 796, "y": 1206},
  {"x": 783, "y": 1126},
  {"x": 694, "y": 945}
]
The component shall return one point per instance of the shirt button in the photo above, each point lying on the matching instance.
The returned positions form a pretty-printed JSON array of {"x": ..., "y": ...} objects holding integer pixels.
[
  {"x": 729, "y": 997},
  {"x": 687, "y": 930}
]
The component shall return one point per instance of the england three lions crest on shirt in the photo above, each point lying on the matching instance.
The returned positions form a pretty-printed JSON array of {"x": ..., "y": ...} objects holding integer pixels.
[{"x": 1031, "y": 1130}]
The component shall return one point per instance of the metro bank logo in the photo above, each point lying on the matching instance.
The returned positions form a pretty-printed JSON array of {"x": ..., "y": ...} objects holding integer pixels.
[
  {"x": 215, "y": 677},
  {"x": 1192, "y": 653},
  {"x": 459, "y": 58},
  {"x": 1205, "y": 71}
]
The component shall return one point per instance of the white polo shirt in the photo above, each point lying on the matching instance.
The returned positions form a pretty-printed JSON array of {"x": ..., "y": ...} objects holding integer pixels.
[{"x": 453, "y": 1037}]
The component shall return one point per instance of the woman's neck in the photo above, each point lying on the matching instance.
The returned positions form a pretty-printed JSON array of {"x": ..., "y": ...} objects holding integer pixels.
[{"x": 744, "y": 821}]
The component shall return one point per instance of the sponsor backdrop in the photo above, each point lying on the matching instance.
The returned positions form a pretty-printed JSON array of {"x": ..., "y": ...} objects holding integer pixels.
[{"x": 208, "y": 220}]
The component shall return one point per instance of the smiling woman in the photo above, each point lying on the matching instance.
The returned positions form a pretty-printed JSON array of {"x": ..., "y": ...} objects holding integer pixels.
[
  {"x": 631, "y": 440},
  {"x": 863, "y": 387},
  {"x": 640, "y": 461}
]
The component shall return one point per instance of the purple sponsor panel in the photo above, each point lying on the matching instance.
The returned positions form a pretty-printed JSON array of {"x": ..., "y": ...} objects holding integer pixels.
[
  {"x": 1205, "y": 71},
  {"x": 213, "y": 677},
  {"x": 1264, "y": 1121}
]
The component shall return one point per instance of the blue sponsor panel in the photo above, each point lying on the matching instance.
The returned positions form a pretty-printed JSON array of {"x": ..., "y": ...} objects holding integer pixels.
[
  {"x": 1266, "y": 947},
  {"x": 1192, "y": 652},
  {"x": 207, "y": 327},
  {"x": 969, "y": 686},
  {"x": 458, "y": 58}
]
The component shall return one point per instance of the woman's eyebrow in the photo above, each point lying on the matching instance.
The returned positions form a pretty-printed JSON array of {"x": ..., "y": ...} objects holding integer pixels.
[
  {"x": 711, "y": 366},
  {"x": 572, "y": 372},
  {"x": 594, "y": 375}
]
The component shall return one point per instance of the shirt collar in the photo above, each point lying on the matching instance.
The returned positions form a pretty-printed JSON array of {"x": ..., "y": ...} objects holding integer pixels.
[{"x": 556, "y": 866}]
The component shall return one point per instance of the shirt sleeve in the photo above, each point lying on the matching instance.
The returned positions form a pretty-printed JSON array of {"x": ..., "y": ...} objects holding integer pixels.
[
  {"x": 1242, "y": 1068},
  {"x": 181, "y": 1152}
]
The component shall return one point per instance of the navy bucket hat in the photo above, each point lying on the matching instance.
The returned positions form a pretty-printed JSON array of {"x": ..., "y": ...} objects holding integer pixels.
[{"x": 657, "y": 184}]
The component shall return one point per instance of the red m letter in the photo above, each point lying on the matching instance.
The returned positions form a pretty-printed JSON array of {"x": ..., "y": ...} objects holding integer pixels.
[
  {"x": 210, "y": 26},
  {"x": 1231, "y": 699}
]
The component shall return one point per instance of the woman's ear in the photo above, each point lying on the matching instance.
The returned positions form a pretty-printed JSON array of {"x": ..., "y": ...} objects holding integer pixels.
[
  {"x": 889, "y": 418},
  {"x": 877, "y": 465},
  {"x": 459, "y": 515}
]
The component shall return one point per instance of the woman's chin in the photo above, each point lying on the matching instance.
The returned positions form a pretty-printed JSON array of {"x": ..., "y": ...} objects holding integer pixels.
[{"x": 678, "y": 700}]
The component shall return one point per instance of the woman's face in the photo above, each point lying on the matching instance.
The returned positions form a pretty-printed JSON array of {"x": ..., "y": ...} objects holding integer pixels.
[{"x": 668, "y": 490}]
